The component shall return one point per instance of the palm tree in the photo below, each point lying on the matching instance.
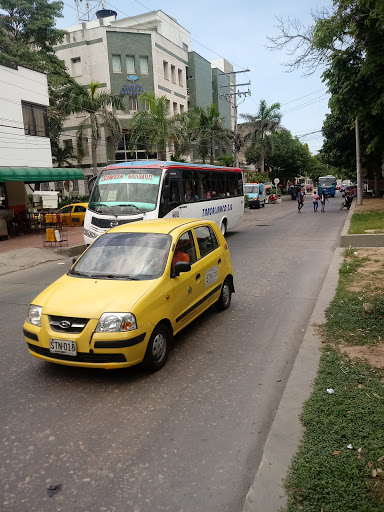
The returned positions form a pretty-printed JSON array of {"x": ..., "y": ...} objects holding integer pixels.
[
  {"x": 152, "y": 126},
  {"x": 211, "y": 134},
  {"x": 184, "y": 132},
  {"x": 62, "y": 156},
  {"x": 265, "y": 122},
  {"x": 79, "y": 98}
]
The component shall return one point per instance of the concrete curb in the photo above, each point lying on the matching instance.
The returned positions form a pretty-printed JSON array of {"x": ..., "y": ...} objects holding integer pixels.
[
  {"x": 267, "y": 493},
  {"x": 366, "y": 240},
  {"x": 76, "y": 250}
]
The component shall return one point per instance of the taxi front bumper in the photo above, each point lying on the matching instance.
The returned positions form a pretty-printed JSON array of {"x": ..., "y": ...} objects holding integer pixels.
[{"x": 94, "y": 350}]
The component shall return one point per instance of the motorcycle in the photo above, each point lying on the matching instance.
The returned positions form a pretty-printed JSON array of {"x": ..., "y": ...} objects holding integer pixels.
[{"x": 347, "y": 202}]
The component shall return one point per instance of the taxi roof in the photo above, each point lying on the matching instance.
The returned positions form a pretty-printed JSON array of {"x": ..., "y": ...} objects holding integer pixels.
[{"x": 165, "y": 226}]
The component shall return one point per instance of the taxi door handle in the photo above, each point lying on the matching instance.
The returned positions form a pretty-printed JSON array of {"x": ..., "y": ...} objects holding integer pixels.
[
  {"x": 219, "y": 260},
  {"x": 197, "y": 277}
]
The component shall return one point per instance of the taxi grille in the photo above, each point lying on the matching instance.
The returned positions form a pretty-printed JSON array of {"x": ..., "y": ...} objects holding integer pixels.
[
  {"x": 82, "y": 357},
  {"x": 106, "y": 223},
  {"x": 67, "y": 324}
]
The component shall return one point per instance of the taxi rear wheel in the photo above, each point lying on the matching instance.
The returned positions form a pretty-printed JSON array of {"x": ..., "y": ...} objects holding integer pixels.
[
  {"x": 156, "y": 354},
  {"x": 225, "y": 296}
]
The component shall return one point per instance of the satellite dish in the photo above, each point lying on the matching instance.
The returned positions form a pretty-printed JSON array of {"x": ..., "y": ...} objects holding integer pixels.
[{"x": 68, "y": 185}]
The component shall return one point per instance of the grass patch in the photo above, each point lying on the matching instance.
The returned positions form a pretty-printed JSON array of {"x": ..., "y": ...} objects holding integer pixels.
[
  {"x": 360, "y": 222},
  {"x": 355, "y": 317},
  {"x": 325, "y": 475}
]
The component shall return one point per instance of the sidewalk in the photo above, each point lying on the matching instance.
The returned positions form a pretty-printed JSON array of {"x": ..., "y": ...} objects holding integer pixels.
[{"x": 27, "y": 251}]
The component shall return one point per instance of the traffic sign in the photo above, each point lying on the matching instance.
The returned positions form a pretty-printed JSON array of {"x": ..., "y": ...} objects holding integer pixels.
[{"x": 276, "y": 181}]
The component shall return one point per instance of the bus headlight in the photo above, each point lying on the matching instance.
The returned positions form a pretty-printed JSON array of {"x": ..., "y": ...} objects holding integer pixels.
[{"x": 90, "y": 234}]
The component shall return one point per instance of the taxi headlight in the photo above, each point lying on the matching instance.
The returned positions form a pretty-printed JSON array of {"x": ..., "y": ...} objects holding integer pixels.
[
  {"x": 34, "y": 315},
  {"x": 90, "y": 234},
  {"x": 116, "y": 322}
]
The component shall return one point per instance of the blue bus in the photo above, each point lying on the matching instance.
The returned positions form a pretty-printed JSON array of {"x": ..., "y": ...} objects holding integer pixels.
[{"x": 326, "y": 184}]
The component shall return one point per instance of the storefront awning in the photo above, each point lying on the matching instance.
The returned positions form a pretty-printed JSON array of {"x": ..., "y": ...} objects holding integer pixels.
[{"x": 39, "y": 174}]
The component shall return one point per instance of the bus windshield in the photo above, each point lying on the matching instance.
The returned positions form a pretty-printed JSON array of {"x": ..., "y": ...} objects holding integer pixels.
[
  {"x": 126, "y": 191},
  {"x": 327, "y": 181}
]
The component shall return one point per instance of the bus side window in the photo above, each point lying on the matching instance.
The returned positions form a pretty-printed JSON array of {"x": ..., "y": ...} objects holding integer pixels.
[
  {"x": 232, "y": 184},
  {"x": 188, "y": 186},
  {"x": 240, "y": 185}
]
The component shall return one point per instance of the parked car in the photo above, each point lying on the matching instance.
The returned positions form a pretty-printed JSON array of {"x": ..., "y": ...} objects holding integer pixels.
[
  {"x": 349, "y": 190},
  {"x": 73, "y": 214},
  {"x": 131, "y": 291}
]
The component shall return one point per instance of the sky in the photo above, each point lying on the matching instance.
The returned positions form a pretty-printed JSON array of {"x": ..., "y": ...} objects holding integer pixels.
[{"x": 238, "y": 31}]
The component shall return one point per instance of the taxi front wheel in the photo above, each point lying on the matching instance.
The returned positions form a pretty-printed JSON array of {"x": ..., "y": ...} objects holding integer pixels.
[
  {"x": 156, "y": 354},
  {"x": 225, "y": 296}
]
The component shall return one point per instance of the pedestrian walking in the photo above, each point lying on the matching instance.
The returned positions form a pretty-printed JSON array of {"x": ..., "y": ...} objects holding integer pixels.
[
  {"x": 300, "y": 201},
  {"x": 315, "y": 199},
  {"x": 323, "y": 198}
]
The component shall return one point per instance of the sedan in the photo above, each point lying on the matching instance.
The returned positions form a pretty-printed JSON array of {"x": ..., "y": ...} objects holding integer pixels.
[
  {"x": 130, "y": 292},
  {"x": 73, "y": 214}
]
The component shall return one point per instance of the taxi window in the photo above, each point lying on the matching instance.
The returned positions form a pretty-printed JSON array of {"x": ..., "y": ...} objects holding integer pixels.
[
  {"x": 185, "y": 249},
  {"x": 206, "y": 239},
  {"x": 66, "y": 209},
  {"x": 79, "y": 209}
]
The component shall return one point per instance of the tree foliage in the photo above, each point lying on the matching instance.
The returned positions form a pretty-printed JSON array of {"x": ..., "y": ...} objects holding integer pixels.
[
  {"x": 97, "y": 107},
  {"x": 261, "y": 126},
  {"x": 28, "y": 34},
  {"x": 348, "y": 40}
]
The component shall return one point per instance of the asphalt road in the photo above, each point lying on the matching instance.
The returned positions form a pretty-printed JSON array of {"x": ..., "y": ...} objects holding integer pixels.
[{"x": 190, "y": 437}]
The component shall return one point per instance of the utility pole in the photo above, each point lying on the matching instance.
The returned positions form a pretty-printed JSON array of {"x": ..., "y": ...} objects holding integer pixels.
[
  {"x": 232, "y": 99},
  {"x": 358, "y": 164}
]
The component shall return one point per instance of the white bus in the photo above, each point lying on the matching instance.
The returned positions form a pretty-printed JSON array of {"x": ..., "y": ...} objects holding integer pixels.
[{"x": 132, "y": 191}]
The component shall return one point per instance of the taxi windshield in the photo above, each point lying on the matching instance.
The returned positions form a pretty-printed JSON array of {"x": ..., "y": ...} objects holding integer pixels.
[
  {"x": 136, "y": 256},
  {"x": 126, "y": 191}
]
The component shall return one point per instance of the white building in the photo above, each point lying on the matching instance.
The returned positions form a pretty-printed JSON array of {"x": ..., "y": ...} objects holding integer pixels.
[
  {"x": 146, "y": 53},
  {"x": 25, "y": 148}
]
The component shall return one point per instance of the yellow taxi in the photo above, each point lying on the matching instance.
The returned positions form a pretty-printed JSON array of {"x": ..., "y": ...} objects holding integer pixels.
[
  {"x": 130, "y": 292},
  {"x": 73, "y": 214}
]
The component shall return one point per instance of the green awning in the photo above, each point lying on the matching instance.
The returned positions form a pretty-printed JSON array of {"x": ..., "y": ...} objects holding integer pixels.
[{"x": 39, "y": 174}]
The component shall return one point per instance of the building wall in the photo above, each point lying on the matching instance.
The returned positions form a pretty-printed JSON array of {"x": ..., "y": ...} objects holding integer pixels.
[
  {"x": 200, "y": 81},
  {"x": 17, "y": 149},
  {"x": 218, "y": 81}
]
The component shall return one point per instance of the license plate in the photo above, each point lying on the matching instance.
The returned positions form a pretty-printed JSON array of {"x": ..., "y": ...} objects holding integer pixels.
[{"x": 63, "y": 347}]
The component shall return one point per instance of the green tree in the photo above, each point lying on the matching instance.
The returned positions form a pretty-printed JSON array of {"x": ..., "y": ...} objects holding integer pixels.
[
  {"x": 211, "y": 134},
  {"x": 28, "y": 34},
  {"x": 262, "y": 125},
  {"x": 96, "y": 105},
  {"x": 153, "y": 126},
  {"x": 62, "y": 156},
  {"x": 348, "y": 40},
  {"x": 226, "y": 160}
]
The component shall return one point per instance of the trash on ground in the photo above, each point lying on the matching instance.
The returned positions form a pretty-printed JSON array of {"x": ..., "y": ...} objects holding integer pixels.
[
  {"x": 61, "y": 263},
  {"x": 53, "y": 489},
  {"x": 356, "y": 253},
  {"x": 330, "y": 391},
  {"x": 350, "y": 447}
]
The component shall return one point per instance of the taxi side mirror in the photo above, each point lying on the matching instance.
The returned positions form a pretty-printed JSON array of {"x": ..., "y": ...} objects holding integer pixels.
[
  {"x": 74, "y": 259},
  {"x": 182, "y": 266}
]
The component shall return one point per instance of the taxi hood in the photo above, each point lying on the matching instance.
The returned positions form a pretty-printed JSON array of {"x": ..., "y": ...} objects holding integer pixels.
[{"x": 90, "y": 298}]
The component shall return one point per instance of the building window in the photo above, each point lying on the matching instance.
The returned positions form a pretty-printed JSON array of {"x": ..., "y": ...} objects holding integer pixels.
[
  {"x": 35, "y": 119},
  {"x": 45, "y": 186},
  {"x": 181, "y": 109},
  {"x": 185, "y": 47},
  {"x": 67, "y": 143},
  {"x": 173, "y": 73},
  {"x": 130, "y": 62},
  {"x": 59, "y": 185},
  {"x": 76, "y": 66},
  {"x": 180, "y": 77},
  {"x": 116, "y": 63},
  {"x": 174, "y": 108},
  {"x": 75, "y": 186},
  {"x": 165, "y": 68},
  {"x": 133, "y": 106},
  {"x": 144, "y": 69},
  {"x": 168, "y": 106}
]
